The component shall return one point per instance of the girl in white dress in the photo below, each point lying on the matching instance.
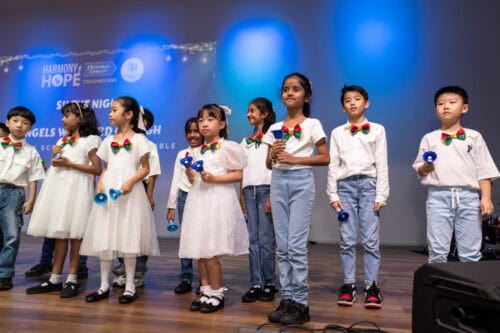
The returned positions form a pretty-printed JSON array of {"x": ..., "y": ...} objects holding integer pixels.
[
  {"x": 123, "y": 227},
  {"x": 65, "y": 199},
  {"x": 213, "y": 223}
]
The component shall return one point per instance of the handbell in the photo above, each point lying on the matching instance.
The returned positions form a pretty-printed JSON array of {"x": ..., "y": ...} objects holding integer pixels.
[
  {"x": 100, "y": 198},
  {"x": 429, "y": 156},
  {"x": 114, "y": 193},
  {"x": 198, "y": 165},
  {"x": 186, "y": 161},
  {"x": 278, "y": 133},
  {"x": 172, "y": 226},
  {"x": 342, "y": 215}
]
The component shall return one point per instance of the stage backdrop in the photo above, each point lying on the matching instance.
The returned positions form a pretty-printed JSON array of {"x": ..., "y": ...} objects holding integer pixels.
[{"x": 170, "y": 80}]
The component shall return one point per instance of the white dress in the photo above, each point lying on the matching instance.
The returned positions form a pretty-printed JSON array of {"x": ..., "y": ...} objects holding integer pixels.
[
  {"x": 213, "y": 223},
  {"x": 65, "y": 199},
  {"x": 124, "y": 226}
]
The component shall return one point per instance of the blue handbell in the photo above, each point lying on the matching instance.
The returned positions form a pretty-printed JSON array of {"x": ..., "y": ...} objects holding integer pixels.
[
  {"x": 100, "y": 198},
  {"x": 172, "y": 226},
  {"x": 114, "y": 193},
  {"x": 429, "y": 156},
  {"x": 198, "y": 166}
]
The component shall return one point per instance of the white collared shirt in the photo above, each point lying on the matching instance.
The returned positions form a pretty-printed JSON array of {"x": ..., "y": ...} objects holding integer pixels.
[
  {"x": 256, "y": 173},
  {"x": 358, "y": 154},
  {"x": 180, "y": 181},
  {"x": 21, "y": 167},
  {"x": 312, "y": 132},
  {"x": 462, "y": 163},
  {"x": 154, "y": 161}
]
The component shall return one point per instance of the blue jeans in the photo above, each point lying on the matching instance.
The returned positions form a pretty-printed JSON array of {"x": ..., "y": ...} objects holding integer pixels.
[
  {"x": 11, "y": 220},
  {"x": 448, "y": 210},
  {"x": 292, "y": 198},
  {"x": 48, "y": 253},
  {"x": 261, "y": 235},
  {"x": 186, "y": 264},
  {"x": 357, "y": 195}
]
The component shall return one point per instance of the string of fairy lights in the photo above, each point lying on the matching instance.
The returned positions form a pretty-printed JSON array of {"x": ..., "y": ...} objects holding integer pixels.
[{"x": 203, "y": 51}]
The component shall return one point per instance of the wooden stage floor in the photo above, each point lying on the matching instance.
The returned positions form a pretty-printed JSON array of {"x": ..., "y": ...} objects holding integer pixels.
[{"x": 159, "y": 309}]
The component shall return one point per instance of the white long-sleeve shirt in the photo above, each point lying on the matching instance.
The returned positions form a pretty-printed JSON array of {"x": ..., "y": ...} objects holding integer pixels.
[{"x": 180, "y": 181}]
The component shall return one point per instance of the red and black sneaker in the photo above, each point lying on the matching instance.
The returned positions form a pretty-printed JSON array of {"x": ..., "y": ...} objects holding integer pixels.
[
  {"x": 373, "y": 296},
  {"x": 347, "y": 295}
]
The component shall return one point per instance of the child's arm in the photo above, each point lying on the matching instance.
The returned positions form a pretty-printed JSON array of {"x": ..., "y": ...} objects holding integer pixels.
[
  {"x": 150, "y": 188},
  {"x": 322, "y": 158},
  {"x": 94, "y": 168},
  {"x": 139, "y": 176},
  {"x": 486, "y": 204},
  {"x": 232, "y": 176},
  {"x": 269, "y": 158},
  {"x": 381, "y": 165},
  {"x": 28, "y": 205},
  {"x": 99, "y": 183},
  {"x": 242, "y": 199}
]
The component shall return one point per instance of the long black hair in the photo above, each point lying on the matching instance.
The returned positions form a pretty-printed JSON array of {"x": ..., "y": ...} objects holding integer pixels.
[
  {"x": 265, "y": 106},
  {"x": 306, "y": 85},
  {"x": 131, "y": 104},
  {"x": 88, "y": 122}
]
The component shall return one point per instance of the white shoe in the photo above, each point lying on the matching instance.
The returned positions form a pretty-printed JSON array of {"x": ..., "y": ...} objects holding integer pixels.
[{"x": 120, "y": 281}]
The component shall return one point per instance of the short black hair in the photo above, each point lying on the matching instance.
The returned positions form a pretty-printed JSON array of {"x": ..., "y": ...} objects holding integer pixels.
[
  {"x": 4, "y": 128},
  {"x": 452, "y": 90},
  {"x": 149, "y": 117},
  {"x": 188, "y": 124},
  {"x": 355, "y": 88},
  {"x": 22, "y": 111}
]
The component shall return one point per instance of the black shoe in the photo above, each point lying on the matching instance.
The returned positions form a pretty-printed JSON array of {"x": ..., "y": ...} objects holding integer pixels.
[
  {"x": 347, "y": 295},
  {"x": 97, "y": 296},
  {"x": 38, "y": 270},
  {"x": 268, "y": 293},
  {"x": 183, "y": 287},
  {"x": 252, "y": 294},
  {"x": 296, "y": 314},
  {"x": 70, "y": 290},
  {"x": 275, "y": 316},
  {"x": 373, "y": 297},
  {"x": 127, "y": 298},
  {"x": 195, "y": 305},
  {"x": 209, "y": 308},
  {"x": 83, "y": 273},
  {"x": 6, "y": 283},
  {"x": 44, "y": 287}
]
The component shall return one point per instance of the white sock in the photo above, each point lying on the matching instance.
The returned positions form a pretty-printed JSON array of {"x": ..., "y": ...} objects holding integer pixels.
[
  {"x": 205, "y": 293},
  {"x": 105, "y": 272},
  {"x": 217, "y": 293},
  {"x": 55, "y": 278},
  {"x": 130, "y": 263},
  {"x": 71, "y": 278}
]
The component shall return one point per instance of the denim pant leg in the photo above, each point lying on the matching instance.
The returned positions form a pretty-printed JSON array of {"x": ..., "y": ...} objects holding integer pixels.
[
  {"x": 11, "y": 221},
  {"x": 47, "y": 251},
  {"x": 186, "y": 264},
  {"x": 83, "y": 261},
  {"x": 348, "y": 195},
  {"x": 468, "y": 233},
  {"x": 369, "y": 229},
  {"x": 267, "y": 241},
  {"x": 252, "y": 217},
  {"x": 440, "y": 217}
]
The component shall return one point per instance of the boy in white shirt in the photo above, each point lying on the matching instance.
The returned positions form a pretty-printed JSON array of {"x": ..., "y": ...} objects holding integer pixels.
[
  {"x": 20, "y": 167},
  {"x": 459, "y": 181},
  {"x": 358, "y": 183}
]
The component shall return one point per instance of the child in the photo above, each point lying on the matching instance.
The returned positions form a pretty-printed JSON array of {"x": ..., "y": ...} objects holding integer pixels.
[
  {"x": 20, "y": 167},
  {"x": 179, "y": 189},
  {"x": 358, "y": 183},
  {"x": 292, "y": 191},
  {"x": 4, "y": 130},
  {"x": 149, "y": 185},
  {"x": 125, "y": 226},
  {"x": 255, "y": 202},
  {"x": 459, "y": 181},
  {"x": 65, "y": 199},
  {"x": 213, "y": 224}
]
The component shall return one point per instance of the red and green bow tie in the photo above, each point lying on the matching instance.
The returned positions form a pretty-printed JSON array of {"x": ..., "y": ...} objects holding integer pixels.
[
  {"x": 68, "y": 140},
  {"x": 365, "y": 128},
  {"x": 211, "y": 146},
  {"x": 8, "y": 142},
  {"x": 288, "y": 133},
  {"x": 446, "y": 138},
  {"x": 115, "y": 146},
  {"x": 255, "y": 138}
]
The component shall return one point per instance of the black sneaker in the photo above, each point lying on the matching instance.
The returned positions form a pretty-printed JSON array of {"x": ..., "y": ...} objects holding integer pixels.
[
  {"x": 70, "y": 290},
  {"x": 373, "y": 296},
  {"x": 275, "y": 316},
  {"x": 38, "y": 270},
  {"x": 6, "y": 283},
  {"x": 347, "y": 295},
  {"x": 83, "y": 273},
  {"x": 295, "y": 314},
  {"x": 268, "y": 293},
  {"x": 44, "y": 287},
  {"x": 252, "y": 294},
  {"x": 183, "y": 287}
]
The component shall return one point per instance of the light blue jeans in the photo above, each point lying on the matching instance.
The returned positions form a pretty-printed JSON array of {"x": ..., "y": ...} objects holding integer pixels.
[
  {"x": 186, "y": 264},
  {"x": 11, "y": 220},
  {"x": 357, "y": 195},
  {"x": 448, "y": 210},
  {"x": 261, "y": 235},
  {"x": 292, "y": 198}
]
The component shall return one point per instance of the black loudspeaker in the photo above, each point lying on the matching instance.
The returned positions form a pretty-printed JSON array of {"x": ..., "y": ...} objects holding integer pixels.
[{"x": 457, "y": 297}]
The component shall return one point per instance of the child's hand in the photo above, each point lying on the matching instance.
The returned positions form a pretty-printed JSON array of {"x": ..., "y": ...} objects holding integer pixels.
[
  {"x": 61, "y": 162},
  {"x": 285, "y": 158},
  {"x": 171, "y": 214},
  {"x": 267, "y": 206},
  {"x": 28, "y": 207},
  {"x": 486, "y": 206},
  {"x": 378, "y": 206},
  {"x": 337, "y": 206},
  {"x": 191, "y": 174},
  {"x": 278, "y": 147},
  {"x": 56, "y": 150},
  {"x": 426, "y": 169},
  {"x": 126, "y": 187},
  {"x": 151, "y": 201},
  {"x": 207, "y": 177}
]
